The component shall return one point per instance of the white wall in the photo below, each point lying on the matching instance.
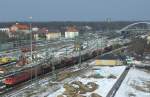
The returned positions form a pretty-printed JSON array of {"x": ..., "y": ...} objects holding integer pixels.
[
  {"x": 51, "y": 36},
  {"x": 71, "y": 34}
]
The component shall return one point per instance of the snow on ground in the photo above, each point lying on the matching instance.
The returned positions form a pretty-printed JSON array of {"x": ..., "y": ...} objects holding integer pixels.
[
  {"x": 104, "y": 84},
  {"x": 136, "y": 84}
]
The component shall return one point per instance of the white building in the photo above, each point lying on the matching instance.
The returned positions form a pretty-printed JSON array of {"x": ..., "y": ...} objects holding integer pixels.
[
  {"x": 36, "y": 36},
  {"x": 148, "y": 39},
  {"x": 35, "y": 29},
  {"x": 48, "y": 34},
  {"x": 4, "y": 29},
  {"x": 53, "y": 35},
  {"x": 71, "y": 32}
]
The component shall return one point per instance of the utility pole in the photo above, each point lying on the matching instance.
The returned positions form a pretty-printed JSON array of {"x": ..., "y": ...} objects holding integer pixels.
[
  {"x": 101, "y": 44},
  {"x": 31, "y": 42},
  {"x": 108, "y": 20},
  {"x": 88, "y": 42},
  {"x": 79, "y": 43},
  {"x": 97, "y": 45},
  {"x": 47, "y": 49},
  {"x": 31, "y": 36},
  {"x": 30, "y": 30},
  {"x": 53, "y": 65},
  {"x": 66, "y": 49}
]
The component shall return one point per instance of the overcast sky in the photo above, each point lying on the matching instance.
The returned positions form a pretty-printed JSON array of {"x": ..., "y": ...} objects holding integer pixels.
[{"x": 74, "y": 10}]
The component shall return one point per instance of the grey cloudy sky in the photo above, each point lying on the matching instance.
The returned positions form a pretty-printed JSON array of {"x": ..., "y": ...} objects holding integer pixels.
[{"x": 74, "y": 10}]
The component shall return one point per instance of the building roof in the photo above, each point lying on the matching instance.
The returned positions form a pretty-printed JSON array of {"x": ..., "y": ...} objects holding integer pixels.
[
  {"x": 22, "y": 26},
  {"x": 43, "y": 30},
  {"x": 71, "y": 29},
  {"x": 53, "y": 31},
  {"x": 46, "y": 31}
]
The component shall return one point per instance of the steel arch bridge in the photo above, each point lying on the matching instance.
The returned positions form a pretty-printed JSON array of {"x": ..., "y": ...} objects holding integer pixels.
[{"x": 133, "y": 24}]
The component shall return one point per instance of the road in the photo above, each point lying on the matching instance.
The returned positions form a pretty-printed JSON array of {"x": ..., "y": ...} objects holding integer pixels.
[{"x": 116, "y": 86}]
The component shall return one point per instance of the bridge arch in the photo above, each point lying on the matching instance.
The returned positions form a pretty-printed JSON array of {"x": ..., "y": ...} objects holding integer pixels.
[{"x": 130, "y": 25}]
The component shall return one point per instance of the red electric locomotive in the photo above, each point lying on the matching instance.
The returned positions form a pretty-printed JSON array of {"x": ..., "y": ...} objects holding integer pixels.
[{"x": 15, "y": 79}]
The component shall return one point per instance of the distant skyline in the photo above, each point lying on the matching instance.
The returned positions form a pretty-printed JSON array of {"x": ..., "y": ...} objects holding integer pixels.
[{"x": 74, "y": 10}]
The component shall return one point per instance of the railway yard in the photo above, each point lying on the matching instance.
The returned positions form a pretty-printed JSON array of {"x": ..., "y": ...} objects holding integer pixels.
[
  {"x": 74, "y": 48},
  {"x": 57, "y": 69},
  {"x": 57, "y": 52}
]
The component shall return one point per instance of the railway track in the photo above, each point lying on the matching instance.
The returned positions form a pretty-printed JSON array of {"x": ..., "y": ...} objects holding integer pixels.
[
  {"x": 10, "y": 92},
  {"x": 9, "y": 63},
  {"x": 56, "y": 59},
  {"x": 18, "y": 87},
  {"x": 59, "y": 43},
  {"x": 9, "y": 66}
]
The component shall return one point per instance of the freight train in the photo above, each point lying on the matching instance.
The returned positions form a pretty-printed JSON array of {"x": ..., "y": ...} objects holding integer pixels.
[{"x": 42, "y": 69}]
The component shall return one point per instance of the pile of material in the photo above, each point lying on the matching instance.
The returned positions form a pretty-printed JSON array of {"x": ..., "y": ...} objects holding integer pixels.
[
  {"x": 77, "y": 89},
  {"x": 96, "y": 76},
  {"x": 63, "y": 75},
  {"x": 95, "y": 95},
  {"x": 112, "y": 76}
]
